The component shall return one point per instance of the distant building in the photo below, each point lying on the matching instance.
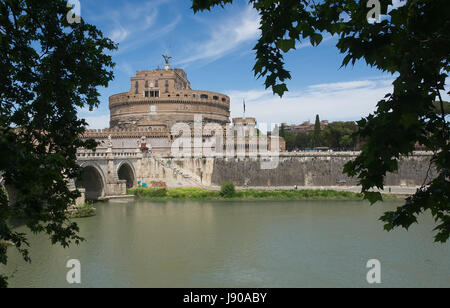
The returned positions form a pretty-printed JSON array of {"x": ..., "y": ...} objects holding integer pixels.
[{"x": 305, "y": 127}]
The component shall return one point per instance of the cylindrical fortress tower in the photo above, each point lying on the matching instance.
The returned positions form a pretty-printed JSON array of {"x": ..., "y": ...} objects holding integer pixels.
[{"x": 162, "y": 97}]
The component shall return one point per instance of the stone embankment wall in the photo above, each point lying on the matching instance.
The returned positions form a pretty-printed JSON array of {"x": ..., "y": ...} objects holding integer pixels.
[{"x": 313, "y": 169}]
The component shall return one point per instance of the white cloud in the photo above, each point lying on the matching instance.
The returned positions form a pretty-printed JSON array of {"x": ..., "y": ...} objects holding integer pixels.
[
  {"x": 143, "y": 37},
  {"x": 97, "y": 122},
  {"x": 334, "y": 101},
  {"x": 226, "y": 36},
  {"x": 340, "y": 86},
  {"x": 132, "y": 26},
  {"x": 94, "y": 118},
  {"x": 119, "y": 34}
]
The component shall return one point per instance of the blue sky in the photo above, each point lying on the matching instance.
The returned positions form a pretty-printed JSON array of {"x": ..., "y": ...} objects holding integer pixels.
[{"x": 215, "y": 50}]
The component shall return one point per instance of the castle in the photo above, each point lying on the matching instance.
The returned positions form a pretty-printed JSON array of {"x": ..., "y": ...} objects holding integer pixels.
[
  {"x": 139, "y": 145},
  {"x": 157, "y": 100}
]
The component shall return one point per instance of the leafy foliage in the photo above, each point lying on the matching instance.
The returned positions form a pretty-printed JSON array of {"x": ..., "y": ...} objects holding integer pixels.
[
  {"x": 336, "y": 136},
  {"x": 317, "y": 131},
  {"x": 445, "y": 106},
  {"x": 340, "y": 136},
  {"x": 248, "y": 194},
  {"x": 142, "y": 192},
  {"x": 49, "y": 69},
  {"x": 82, "y": 211},
  {"x": 413, "y": 43},
  {"x": 227, "y": 190}
]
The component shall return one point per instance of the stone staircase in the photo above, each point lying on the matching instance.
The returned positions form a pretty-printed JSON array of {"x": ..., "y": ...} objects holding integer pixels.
[{"x": 189, "y": 178}]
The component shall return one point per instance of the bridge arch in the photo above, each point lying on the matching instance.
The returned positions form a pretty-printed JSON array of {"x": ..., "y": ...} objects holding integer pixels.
[
  {"x": 126, "y": 171},
  {"x": 92, "y": 180}
]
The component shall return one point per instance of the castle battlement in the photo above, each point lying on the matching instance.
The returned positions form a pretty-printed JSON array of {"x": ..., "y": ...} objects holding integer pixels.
[{"x": 164, "y": 97}]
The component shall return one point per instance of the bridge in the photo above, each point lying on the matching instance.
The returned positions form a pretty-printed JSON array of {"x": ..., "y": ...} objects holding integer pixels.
[{"x": 108, "y": 172}]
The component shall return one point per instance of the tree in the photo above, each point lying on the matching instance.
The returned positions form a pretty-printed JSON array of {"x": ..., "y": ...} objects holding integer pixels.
[
  {"x": 445, "y": 105},
  {"x": 317, "y": 132},
  {"x": 49, "y": 69},
  {"x": 340, "y": 135},
  {"x": 413, "y": 43},
  {"x": 290, "y": 141},
  {"x": 282, "y": 131},
  {"x": 303, "y": 140}
]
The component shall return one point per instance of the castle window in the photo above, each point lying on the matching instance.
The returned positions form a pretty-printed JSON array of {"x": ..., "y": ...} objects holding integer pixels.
[
  {"x": 203, "y": 96},
  {"x": 156, "y": 84},
  {"x": 216, "y": 98},
  {"x": 223, "y": 99},
  {"x": 146, "y": 83},
  {"x": 151, "y": 93},
  {"x": 167, "y": 89},
  {"x": 136, "y": 85},
  {"x": 167, "y": 83}
]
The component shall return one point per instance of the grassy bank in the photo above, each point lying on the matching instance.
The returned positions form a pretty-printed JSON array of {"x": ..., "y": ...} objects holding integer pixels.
[
  {"x": 85, "y": 210},
  {"x": 249, "y": 194}
]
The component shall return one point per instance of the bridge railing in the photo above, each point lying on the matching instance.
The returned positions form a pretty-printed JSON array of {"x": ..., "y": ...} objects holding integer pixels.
[{"x": 103, "y": 153}]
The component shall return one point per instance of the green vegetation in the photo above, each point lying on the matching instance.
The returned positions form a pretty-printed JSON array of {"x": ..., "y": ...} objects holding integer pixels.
[
  {"x": 412, "y": 45},
  {"x": 142, "y": 192},
  {"x": 85, "y": 210},
  {"x": 51, "y": 69},
  {"x": 169, "y": 194},
  {"x": 248, "y": 194},
  {"x": 445, "y": 107},
  {"x": 336, "y": 135},
  {"x": 227, "y": 190},
  {"x": 317, "y": 132}
]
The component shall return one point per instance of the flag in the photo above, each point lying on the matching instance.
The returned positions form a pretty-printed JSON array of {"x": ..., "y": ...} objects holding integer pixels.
[{"x": 244, "y": 105}]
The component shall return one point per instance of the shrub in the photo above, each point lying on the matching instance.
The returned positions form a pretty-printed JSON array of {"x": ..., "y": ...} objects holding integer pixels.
[
  {"x": 142, "y": 192},
  {"x": 85, "y": 210},
  {"x": 159, "y": 192},
  {"x": 227, "y": 190}
]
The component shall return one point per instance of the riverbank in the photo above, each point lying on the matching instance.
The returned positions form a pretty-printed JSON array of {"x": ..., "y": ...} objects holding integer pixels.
[
  {"x": 85, "y": 210},
  {"x": 400, "y": 191},
  {"x": 243, "y": 195}
]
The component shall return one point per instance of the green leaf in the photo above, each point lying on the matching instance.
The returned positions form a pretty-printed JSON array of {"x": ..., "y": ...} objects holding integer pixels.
[
  {"x": 286, "y": 45},
  {"x": 316, "y": 39},
  {"x": 280, "y": 89},
  {"x": 373, "y": 197}
]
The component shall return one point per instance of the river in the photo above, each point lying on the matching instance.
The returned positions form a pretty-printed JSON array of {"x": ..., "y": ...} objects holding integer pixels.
[{"x": 238, "y": 244}]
